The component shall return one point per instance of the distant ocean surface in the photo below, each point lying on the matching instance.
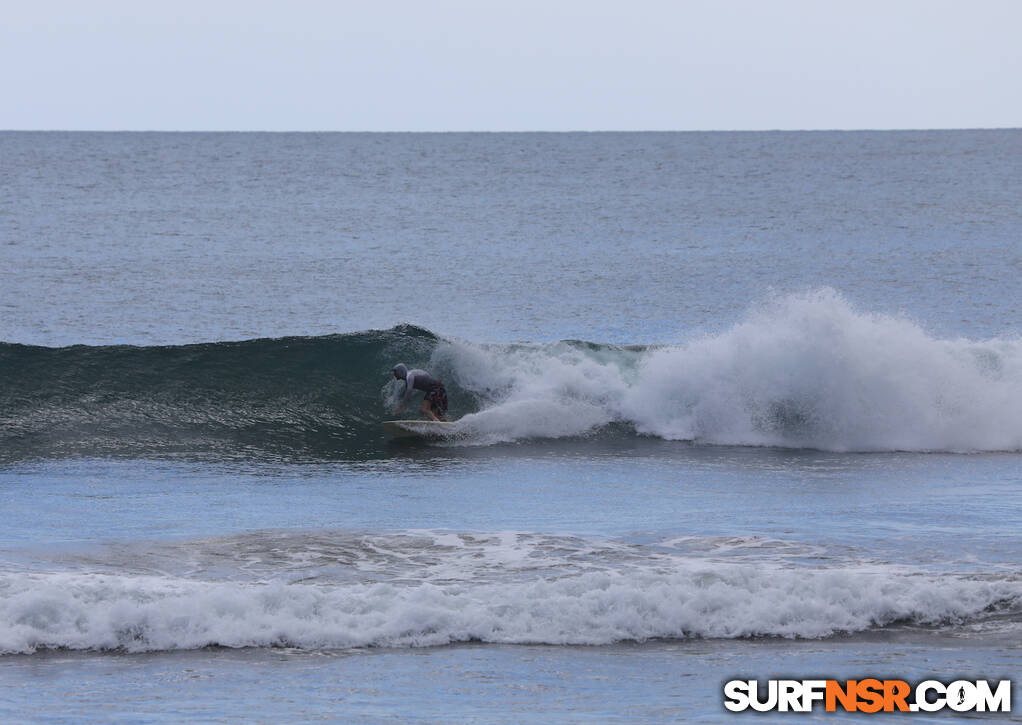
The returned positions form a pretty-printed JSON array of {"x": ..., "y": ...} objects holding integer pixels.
[{"x": 734, "y": 405}]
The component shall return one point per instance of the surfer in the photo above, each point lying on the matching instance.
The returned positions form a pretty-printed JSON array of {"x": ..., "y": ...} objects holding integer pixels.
[{"x": 435, "y": 403}]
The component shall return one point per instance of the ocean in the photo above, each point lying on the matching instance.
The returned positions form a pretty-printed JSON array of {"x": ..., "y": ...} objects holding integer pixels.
[{"x": 733, "y": 406}]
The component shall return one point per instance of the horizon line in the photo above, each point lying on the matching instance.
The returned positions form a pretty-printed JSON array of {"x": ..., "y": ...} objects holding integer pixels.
[{"x": 520, "y": 131}]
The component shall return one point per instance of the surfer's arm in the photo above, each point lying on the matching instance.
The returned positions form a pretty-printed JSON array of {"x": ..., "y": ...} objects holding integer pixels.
[{"x": 409, "y": 380}]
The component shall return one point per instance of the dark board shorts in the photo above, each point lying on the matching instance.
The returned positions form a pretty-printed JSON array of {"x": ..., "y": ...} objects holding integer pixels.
[{"x": 437, "y": 398}]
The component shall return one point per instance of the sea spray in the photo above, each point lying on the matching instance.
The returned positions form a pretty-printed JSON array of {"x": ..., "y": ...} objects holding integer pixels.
[
  {"x": 802, "y": 371},
  {"x": 810, "y": 371}
]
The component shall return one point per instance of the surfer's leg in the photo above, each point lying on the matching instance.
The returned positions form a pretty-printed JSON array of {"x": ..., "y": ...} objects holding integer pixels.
[{"x": 427, "y": 408}]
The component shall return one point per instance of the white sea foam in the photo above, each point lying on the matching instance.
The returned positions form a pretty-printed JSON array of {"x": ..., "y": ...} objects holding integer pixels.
[
  {"x": 803, "y": 371},
  {"x": 687, "y": 599}
]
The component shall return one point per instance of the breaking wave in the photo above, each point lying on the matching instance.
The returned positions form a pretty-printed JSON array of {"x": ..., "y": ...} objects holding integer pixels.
[{"x": 803, "y": 371}]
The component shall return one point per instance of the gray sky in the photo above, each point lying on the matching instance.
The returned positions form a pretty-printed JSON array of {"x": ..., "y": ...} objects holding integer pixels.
[{"x": 452, "y": 65}]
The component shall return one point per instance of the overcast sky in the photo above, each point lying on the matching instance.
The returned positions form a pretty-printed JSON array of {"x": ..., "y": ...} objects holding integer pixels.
[{"x": 449, "y": 65}]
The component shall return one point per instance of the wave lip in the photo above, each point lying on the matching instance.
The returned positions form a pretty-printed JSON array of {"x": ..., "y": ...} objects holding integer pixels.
[{"x": 156, "y": 613}]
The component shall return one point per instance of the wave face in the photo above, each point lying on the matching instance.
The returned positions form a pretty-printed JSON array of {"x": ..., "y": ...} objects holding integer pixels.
[
  {"x": 341, "y": 589},
  {"x": 289, "y": 396},
  {"x": 805, "y": 371}
]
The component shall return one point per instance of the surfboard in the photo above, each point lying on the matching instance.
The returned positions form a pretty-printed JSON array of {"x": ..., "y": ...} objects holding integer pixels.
[{"x": 429, "y": 429}]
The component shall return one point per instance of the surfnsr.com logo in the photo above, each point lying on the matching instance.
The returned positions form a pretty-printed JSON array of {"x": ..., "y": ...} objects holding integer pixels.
[{"x": 868, "y": 695}]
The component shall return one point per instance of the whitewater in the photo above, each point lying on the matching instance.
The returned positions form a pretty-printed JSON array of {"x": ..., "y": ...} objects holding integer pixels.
[
  {"x": 802, "y": 371},
  {"x": 139, "y": 614}
]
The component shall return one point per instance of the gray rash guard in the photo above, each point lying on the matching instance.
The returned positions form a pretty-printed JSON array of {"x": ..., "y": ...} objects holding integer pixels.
[{"x": 414, "y": 380}]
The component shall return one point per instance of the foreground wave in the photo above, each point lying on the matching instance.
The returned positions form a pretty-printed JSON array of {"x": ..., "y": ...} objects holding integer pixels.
[
  {"x": 805, "y": 371},
  {"x": 340, "y": 590}
]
